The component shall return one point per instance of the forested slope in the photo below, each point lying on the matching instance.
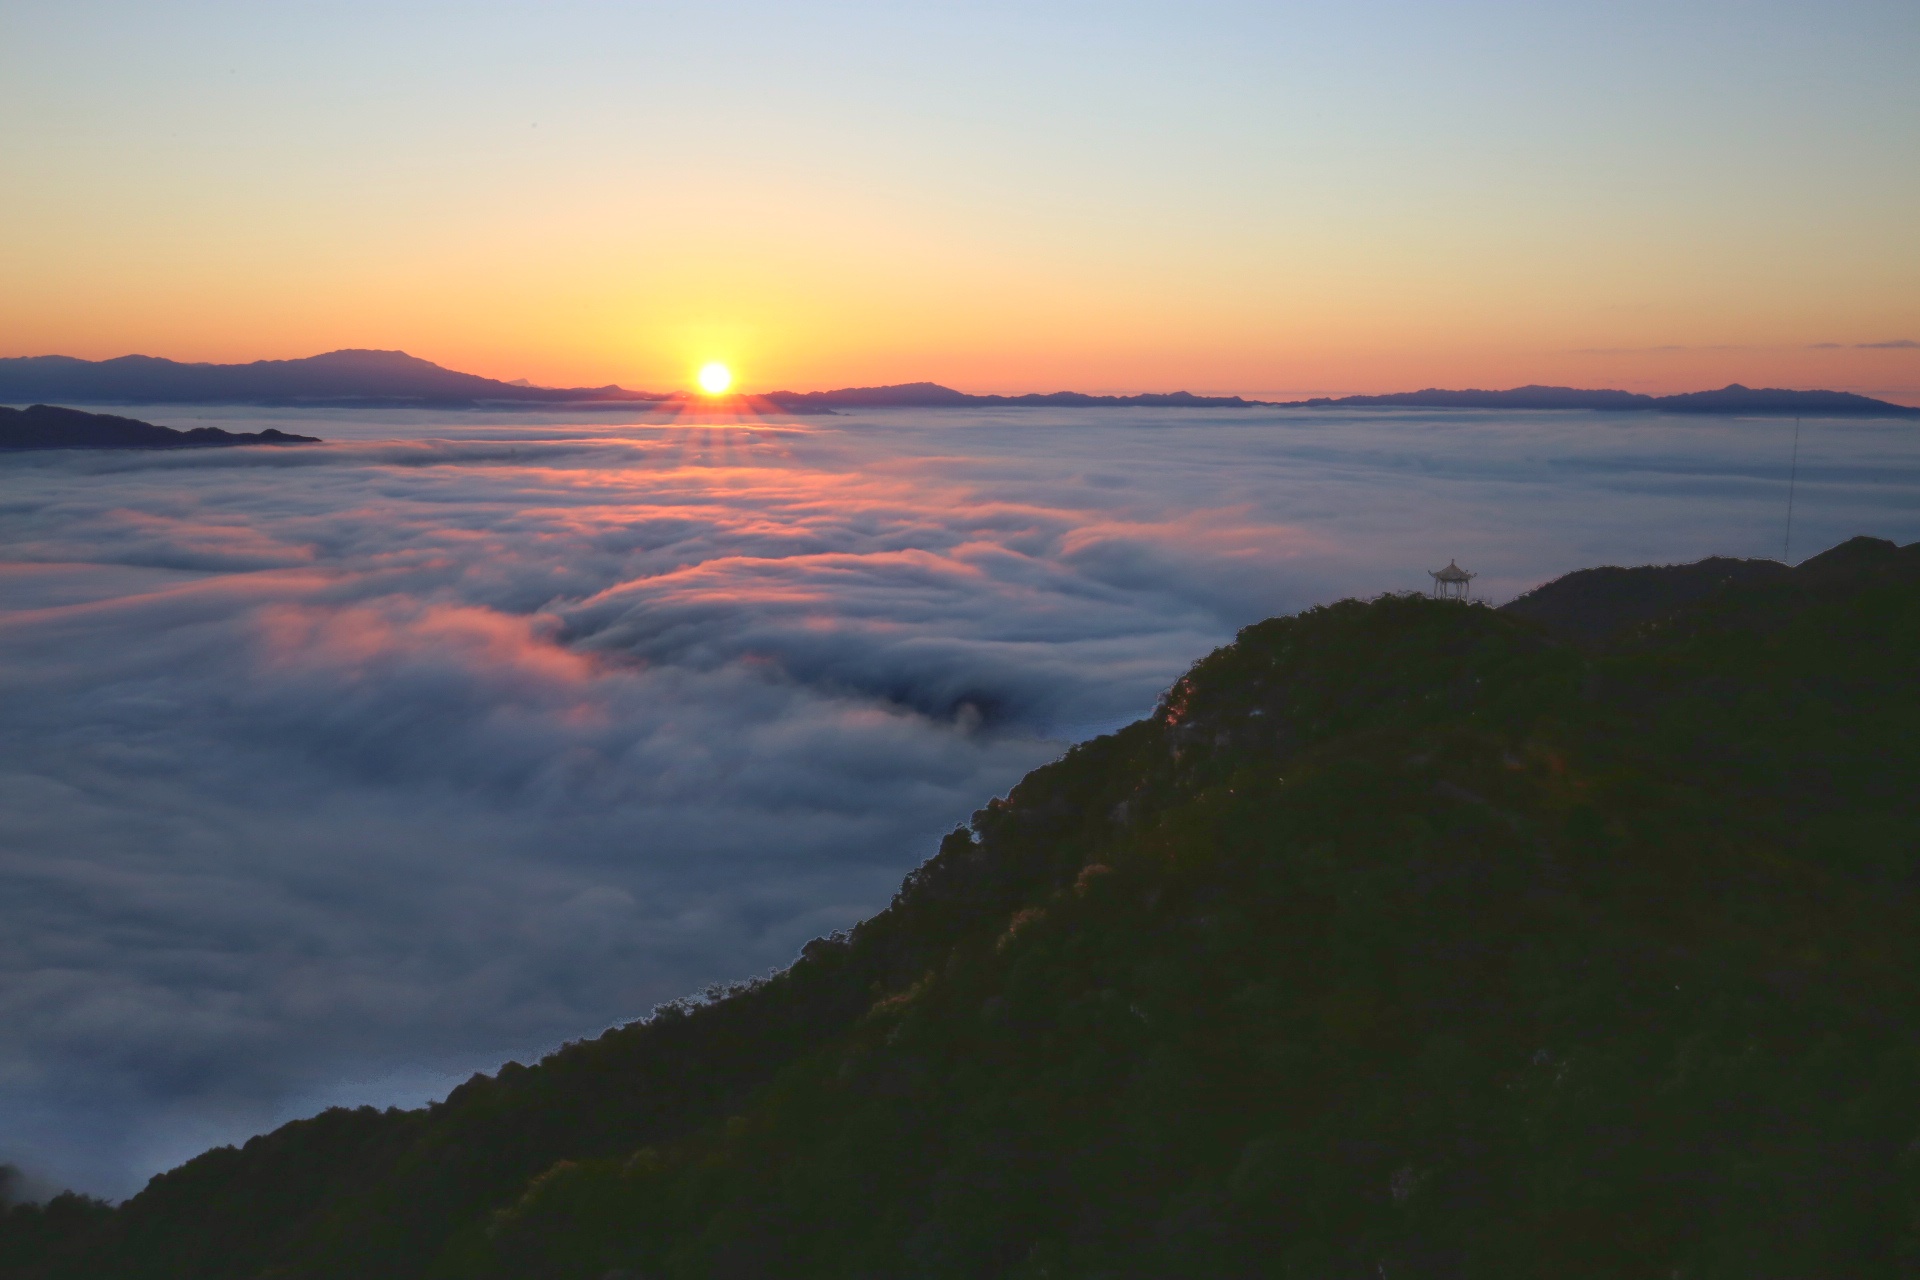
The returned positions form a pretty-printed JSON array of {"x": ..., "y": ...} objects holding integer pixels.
[{"x": 1406, "y": 939}]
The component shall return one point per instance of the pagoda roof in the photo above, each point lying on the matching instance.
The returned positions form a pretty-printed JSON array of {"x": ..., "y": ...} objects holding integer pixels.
[{"x": 1452, "y": 573}]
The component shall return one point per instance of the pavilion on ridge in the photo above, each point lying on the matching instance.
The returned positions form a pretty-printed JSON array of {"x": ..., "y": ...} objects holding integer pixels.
[{"x": 1451, "y": 582}]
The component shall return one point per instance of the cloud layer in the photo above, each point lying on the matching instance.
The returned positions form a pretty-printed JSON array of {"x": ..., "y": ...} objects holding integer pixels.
[{"x": 336, "y": 774}]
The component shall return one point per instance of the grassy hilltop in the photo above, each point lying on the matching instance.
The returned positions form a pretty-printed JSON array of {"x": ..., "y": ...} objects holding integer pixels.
[{"x": 1579, "y": 938}]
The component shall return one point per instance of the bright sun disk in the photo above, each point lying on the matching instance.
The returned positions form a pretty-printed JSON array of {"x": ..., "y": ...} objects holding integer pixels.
[{"x": 715, "y": 378}]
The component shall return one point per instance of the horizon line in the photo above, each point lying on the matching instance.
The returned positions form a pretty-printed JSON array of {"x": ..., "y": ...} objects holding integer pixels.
[{"x": 610, "y": 393}]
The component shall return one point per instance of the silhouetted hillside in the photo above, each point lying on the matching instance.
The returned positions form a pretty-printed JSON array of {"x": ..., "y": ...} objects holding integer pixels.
[
  {"x": 1593, "y": 604},
  {"x": 1405, "y": 938},
  {"x": 1596, "y": 604},
  {"x": 367, "y": 378},
  {"x": 46, "y": 426}
]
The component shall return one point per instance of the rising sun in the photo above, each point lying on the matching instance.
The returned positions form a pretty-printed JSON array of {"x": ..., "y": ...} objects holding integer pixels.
[{"x": 715, "y": 378}]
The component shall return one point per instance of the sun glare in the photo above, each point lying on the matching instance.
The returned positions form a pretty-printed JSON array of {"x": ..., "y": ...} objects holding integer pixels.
[{"x": 715, "y": 378}]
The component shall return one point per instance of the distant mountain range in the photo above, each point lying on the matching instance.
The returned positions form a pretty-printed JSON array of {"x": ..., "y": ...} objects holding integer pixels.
[
  {"x": 931, "y": 395},
  {"x": 385, "y": 379},
  {"x": 1734, "y": 399},
  {"x": 1730, "y": 399},
  {"x": 369, "y": 379}
]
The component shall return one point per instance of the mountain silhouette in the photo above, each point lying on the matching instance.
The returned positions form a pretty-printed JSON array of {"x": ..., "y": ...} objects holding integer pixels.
[
  {"x": 931, "y": 395},
  {"x": 365, "y": 378},
  {"x": 1732, "y": 399},
  {"x": 386, "y": 379}
]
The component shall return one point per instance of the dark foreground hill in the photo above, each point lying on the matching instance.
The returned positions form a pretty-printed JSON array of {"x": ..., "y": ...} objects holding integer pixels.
[
  {"x": 46, "y": 426},
  {"x": 1404, "y": 939}
]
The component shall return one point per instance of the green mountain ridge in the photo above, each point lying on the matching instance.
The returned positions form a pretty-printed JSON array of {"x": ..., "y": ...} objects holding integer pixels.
[{"x": 1406, "y": 938}]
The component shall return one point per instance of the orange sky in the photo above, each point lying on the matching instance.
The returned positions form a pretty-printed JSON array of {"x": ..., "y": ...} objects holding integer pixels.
[{"x": 1259, "y": 199}]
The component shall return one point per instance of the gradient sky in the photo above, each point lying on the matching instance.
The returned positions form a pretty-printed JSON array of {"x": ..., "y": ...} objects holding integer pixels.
[{"x": 1261, "y": 198}]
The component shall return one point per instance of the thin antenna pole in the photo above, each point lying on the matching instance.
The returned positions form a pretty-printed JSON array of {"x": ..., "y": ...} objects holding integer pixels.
[{"x": 1793, "y": 478}]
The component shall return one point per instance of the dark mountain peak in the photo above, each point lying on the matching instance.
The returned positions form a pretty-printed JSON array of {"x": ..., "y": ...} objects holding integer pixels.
[
  {"x": 1861, "y": 555},
  {"x": 1593, "y": 604},
  {"x": 931, "y": 395},
  {"x": 134, "y": 361},
  {"x": 362, "y": 358},
  {"x": 930, "y": 388},
  {"x": 1605, "y": 604},
  {"x": 904, "y": 395},
  {"x": 1527, "y": 397},
  {"x": 1780, "y": 401}
]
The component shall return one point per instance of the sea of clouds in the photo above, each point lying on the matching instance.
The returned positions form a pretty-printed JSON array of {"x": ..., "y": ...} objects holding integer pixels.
[{"x": 332, "y": 774}]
